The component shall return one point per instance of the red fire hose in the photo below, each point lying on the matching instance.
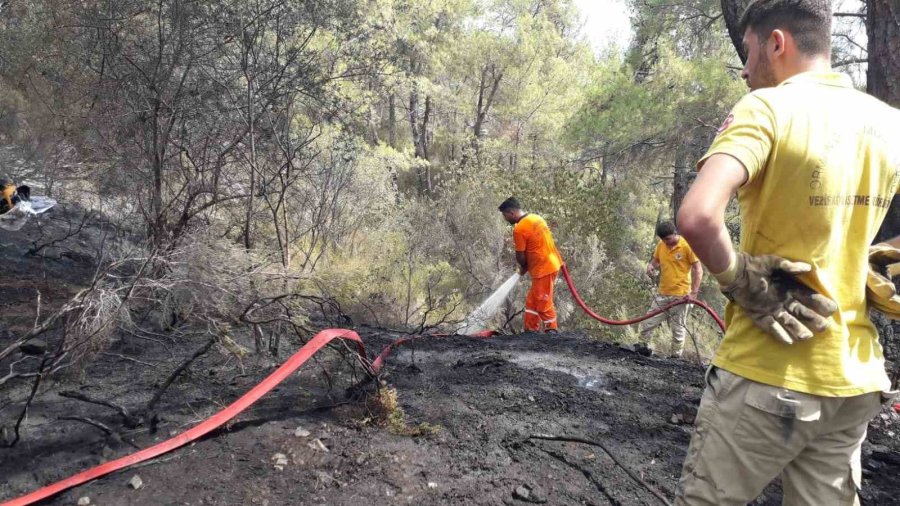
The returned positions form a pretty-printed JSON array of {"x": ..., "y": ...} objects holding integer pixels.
[
  {"x": 686, "y": 300},
  {"x": 217, "y": 420},
  {"x": 211, "y": 423},
  {"x": 292, "y": 364},
  {"x": 378, "y": 363}
]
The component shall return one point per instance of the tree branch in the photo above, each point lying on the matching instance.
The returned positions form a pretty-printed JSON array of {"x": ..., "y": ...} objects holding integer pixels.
[
  {"x": 850, "y": 61},
  {"x": 177, "y": 372},
  {"x": 630, "y": 473},
  {"x": 130, "y": 421}
]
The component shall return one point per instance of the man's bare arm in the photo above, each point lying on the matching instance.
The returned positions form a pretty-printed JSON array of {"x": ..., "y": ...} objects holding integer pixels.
[
  {"x": 701, "y": 218},
  {"x": 696, "y": 278},
  {"x": 522, "y": 261},
  {"x": 652, "y": 267}
]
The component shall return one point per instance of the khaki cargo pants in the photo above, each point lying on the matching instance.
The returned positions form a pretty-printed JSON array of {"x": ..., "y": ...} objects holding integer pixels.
[
  {"x": 677, "y": 318},
  {"x": 747, "y": 433}
]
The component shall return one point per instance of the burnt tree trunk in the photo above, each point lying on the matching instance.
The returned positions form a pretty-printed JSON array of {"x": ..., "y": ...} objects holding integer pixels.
[
  {"x": 883, "y": 79},
  {"x": 731, "y": 11},
  {"x": 689, "y": 150}
]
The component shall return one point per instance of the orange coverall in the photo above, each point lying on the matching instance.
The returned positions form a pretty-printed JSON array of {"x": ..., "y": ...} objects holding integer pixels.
[{"x": 532, "y": 236}]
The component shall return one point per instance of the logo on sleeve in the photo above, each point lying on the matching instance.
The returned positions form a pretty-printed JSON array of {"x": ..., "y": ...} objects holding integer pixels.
[{"x": 725, "y": 124}]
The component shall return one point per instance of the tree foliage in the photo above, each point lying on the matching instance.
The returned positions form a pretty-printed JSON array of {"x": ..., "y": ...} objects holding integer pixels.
[{"x": 364, "y": 145}]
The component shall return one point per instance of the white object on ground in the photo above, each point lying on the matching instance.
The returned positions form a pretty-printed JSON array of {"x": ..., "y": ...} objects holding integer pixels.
[
  {"x": 281, "y": 461},
  {"x": 135, "y": 482},
  {"x": 478, "y": 319},
  {"x": 15, "y": 218}
]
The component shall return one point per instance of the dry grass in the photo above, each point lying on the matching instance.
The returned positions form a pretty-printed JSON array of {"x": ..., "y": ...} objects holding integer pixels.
[{"x": 387, "y": 412}]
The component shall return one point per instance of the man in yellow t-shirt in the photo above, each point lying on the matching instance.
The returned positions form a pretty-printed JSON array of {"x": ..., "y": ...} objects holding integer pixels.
[
  {"x": 536, "y": 254},
  {"x": 800, "y": 372},
  {"x": 680, "y": 274}
]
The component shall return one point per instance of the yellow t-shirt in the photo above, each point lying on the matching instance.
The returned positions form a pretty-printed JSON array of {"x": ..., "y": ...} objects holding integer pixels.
[
  {"x": 675, "y": 268},
  {"x": 532, "y": 236},
  {"x": 823, "y": 163}
]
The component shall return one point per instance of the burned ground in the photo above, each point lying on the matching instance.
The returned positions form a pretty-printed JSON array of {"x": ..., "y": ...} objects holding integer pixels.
[{"x": 481, "y": 400}]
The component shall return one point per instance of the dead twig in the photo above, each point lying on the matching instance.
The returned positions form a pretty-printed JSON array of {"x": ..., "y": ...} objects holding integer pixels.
[
  {"x": 129, "y": 420},
  {"x": 156, "y": 461},
  {"x": 13, "y": 374},
  {"x": 73, "y": 231},
  {"x": 130, "y": 359},
  {"x": 177, "y": 372},
  {"x": 586, "y": 472},
  {"x": 100, "y": 425},
  {"x": 34, "y": 389},
  {"x": 37, "y": 309},
  {"x": 132, "y": 333},
  {"x": 510, "y": 318},
  {"x": 696, "y": 347},
  {"x": 89, "y": 421},
  {"x": 635, "y": 477}
]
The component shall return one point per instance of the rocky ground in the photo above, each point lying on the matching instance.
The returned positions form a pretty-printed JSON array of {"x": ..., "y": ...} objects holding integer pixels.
[{"x": 461, "y": 432}]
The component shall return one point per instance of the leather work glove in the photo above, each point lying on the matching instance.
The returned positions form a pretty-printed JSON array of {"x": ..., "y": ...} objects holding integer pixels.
[
  {"x": 881, "y": 293},
  {"x": 776, "y": 302}
]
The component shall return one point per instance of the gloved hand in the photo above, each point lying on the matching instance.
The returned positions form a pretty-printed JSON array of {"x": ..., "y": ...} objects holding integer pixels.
[
  {"x": 880, "y": 290},
  {"x": 776, "y": 302}
]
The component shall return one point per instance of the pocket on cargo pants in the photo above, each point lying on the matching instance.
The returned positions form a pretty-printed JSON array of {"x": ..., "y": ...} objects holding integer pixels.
[{"x": 776, "y": 416}]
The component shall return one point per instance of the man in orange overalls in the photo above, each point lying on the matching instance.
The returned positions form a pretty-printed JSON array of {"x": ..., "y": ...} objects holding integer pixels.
[{"x": 537, "y": 255}]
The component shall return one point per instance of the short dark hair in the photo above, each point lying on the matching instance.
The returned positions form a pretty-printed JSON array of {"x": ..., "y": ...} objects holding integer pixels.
[
  {"x": 665, "y": 229},
  {"x": 809, "y": 21},
  {"x": 509, "y": 204}
]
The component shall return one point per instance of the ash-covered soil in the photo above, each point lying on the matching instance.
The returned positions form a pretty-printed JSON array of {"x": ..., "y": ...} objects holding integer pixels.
[{"x": 479, "y": 402}]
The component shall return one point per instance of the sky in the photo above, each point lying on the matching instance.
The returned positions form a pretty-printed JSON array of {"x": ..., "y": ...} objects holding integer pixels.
[{"x": 605, "y": 22}]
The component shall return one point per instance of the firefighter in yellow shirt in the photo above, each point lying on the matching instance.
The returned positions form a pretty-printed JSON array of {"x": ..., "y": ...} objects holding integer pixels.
[
  {"x": 680, "y": 274},
  {"x": 800, "y": 372}
]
